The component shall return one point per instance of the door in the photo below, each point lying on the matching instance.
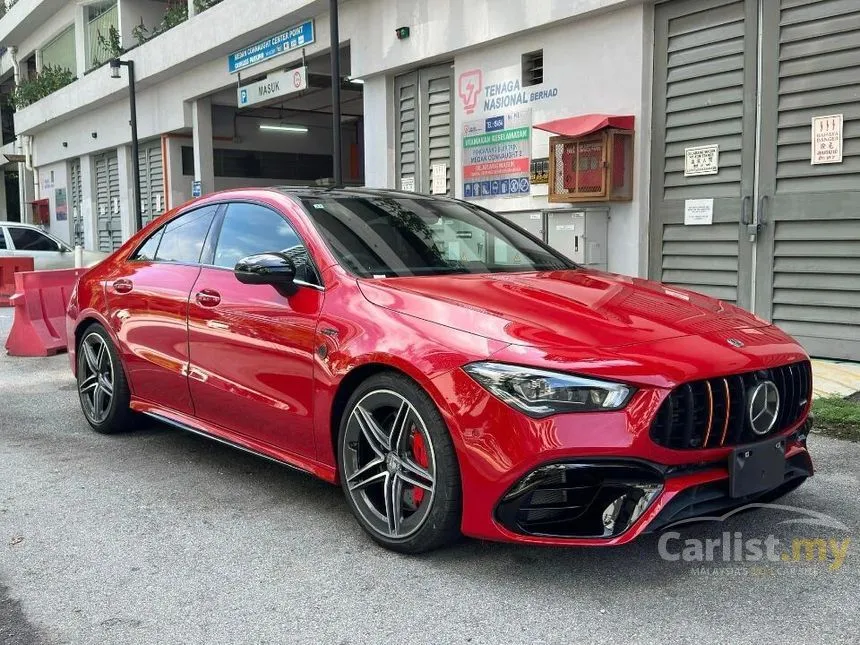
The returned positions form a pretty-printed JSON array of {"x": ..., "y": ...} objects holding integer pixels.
[
  {"x": 252, "y": 349},
  {"x": 46, "y": 252},
  {"x": 808, "y": 251},
  {"x": 108, "y": 219},
  {"x": 151, "y": 166},
  {"x": 148, "y": 302},
  {"x": 751, "y": 76},
  {"x": 424, "y": 127},
  {"x": 704, "y": 94},
  {"x": 76, "y": 199}
]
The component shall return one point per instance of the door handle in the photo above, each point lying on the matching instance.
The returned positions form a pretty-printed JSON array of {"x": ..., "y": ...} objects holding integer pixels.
[
  {"x": 208, "y": 298},
  {"x": 761, "y": 216},
  {"x": 123, "y": 285},
  {"x": 745, "y": 213}
]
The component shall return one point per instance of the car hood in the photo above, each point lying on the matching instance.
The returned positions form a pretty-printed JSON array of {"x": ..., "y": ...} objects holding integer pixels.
[{"x": 559, "y": 308}]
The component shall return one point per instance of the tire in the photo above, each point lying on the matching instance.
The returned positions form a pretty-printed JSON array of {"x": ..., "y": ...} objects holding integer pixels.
[
  {"x": 397, "y": 466},
  {"x": 102, "y": 385}
]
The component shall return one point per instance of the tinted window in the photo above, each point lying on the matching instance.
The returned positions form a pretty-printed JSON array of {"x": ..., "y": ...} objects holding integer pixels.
[
  {"x": 183, "y": 238},
  {"x": 26, "y": 239},
  {"x": 148, "y": 249},
  {"x": 393, "y": 236},
  {"x": 2, "y": 239},
  {"x": 249, "y": 229}
]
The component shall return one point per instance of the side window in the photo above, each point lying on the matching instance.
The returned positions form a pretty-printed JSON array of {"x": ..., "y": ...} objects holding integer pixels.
[
  {"x": 250, "y": 229},
  {"x": 2, "y": 239},
  {"x": 27, "y": 239},
  {"x": 183, "y": 237},
  {"x": 147, "y": 250}
]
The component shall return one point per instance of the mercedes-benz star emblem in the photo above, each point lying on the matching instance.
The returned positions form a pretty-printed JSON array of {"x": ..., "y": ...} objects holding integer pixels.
[
  {"x": 763, "y": 407},
  {"x": 734, "y": 342}
]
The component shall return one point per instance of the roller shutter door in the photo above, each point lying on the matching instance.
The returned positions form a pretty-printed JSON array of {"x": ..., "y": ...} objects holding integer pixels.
[
  {"x": 76, "y": 199},
  {"x": 108, "y": 220},
  {"x": 424, "y": 126},
  {"x": 750, "y": 76},
  {"x": 152, "y": 202}
]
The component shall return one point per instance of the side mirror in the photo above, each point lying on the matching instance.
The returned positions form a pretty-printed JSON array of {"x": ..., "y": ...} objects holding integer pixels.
[
  {"x": 61, "y": 248},
  {"x": 273, "y": 268}
]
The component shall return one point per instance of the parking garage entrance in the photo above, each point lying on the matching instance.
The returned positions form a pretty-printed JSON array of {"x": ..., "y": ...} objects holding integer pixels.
[{"x": 275, "y": 128}]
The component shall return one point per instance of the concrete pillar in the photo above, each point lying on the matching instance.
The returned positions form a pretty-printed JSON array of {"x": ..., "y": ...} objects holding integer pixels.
[
  {"x": 3, "y": 214},
  {"x": 204, "y": 161},
  {"x": 126, "y": 191},
  {"x": 81, "y": 40},
  {"x": 25, "y": 192},
  {"x": 192, "y": 11},
  {"x": 38, "y": 53},
  {"x": 88, "y": 203},
  {"x": 178, "y": 185},
  {"x": 379, "y": 169}
]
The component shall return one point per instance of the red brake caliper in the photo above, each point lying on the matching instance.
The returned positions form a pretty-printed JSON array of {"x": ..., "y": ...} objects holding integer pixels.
[{"x": 419, "y": 452}]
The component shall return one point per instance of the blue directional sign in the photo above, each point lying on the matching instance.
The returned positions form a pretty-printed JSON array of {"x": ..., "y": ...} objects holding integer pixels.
[{"x": 288, "y": 40}]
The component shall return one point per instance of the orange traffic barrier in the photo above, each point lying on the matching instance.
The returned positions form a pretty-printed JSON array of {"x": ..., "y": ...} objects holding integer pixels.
[
  {"x": 8, "y": 268},
  {"x": 40, "y": 301}
]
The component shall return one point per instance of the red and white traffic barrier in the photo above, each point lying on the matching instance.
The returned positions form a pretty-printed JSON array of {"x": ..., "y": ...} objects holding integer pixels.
[
  {"x": 8, "y": 268},
  {"x": 40, "y": 301}
]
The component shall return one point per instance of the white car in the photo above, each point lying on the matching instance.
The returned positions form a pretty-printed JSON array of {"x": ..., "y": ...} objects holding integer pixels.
[{"x": 47, "y": 251}]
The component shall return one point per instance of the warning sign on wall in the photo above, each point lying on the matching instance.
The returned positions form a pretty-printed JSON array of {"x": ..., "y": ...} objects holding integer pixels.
[
  {"x": 497, "y": 156},
  {"x": 827, "y": 139}
]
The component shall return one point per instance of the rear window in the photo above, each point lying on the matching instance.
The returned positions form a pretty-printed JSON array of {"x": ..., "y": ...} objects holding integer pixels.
[{"x": 180, "y": 240}]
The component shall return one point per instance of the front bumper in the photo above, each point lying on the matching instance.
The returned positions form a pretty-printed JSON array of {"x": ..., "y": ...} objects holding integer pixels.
[{"x": 614, "y": 459}]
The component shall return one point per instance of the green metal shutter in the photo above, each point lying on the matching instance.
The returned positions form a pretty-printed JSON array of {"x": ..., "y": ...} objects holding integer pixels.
[
  {"x": 436, "y": 123},
  {"x": 406, "y": 111},
  {"x": 423, "y": 126},
  {"x": 703, "y": 81},
  {"x": 151, "y": 181},
  {"x": 76, "y": 201},
  {"x": 809, "y": 273},
  {"x": 108, "y": 219}
]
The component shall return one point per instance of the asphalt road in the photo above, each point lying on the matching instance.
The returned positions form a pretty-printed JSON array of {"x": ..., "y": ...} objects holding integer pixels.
[{"x": 164, "y": 537}]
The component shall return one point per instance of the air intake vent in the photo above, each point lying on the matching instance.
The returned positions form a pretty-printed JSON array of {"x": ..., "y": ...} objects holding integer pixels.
[{"x": 533, "y": 68}]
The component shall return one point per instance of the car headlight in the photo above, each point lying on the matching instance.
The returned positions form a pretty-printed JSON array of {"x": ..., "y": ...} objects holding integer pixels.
[{"x": 539, "y": 393}]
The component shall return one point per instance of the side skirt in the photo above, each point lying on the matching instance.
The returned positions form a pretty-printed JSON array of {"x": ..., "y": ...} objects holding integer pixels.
[{"x": 246, "y": 444}]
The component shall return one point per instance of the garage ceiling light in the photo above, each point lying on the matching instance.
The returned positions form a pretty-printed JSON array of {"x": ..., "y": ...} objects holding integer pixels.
[{"x": 283, "y": 127}]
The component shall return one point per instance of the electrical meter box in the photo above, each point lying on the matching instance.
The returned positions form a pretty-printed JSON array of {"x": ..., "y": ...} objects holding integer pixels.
[{"x": 581, "y": 234}]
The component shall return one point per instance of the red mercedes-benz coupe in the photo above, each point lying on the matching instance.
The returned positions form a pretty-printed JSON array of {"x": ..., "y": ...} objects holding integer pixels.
[{"x": 451, "y": 372}]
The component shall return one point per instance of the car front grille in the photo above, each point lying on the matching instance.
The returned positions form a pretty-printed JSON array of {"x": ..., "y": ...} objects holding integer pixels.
[{"x": 714, "y": 412}]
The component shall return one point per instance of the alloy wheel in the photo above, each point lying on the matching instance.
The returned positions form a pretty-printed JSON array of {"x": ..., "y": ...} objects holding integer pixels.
[
  {"x": 389, "y": 464},
  {"x": 96, "y": 381}
]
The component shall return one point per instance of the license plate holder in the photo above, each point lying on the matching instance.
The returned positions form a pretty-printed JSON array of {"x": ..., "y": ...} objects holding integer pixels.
[{"x": 757, "y": 467}]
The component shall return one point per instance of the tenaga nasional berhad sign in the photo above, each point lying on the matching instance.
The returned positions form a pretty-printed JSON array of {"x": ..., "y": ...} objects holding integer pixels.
[
  {"x": 288, "y": 40},
  {"x": 282, "y": 83}
]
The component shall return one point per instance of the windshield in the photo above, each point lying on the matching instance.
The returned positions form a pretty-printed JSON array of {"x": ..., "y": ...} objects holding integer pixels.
[{"x": 400, "y": 236}]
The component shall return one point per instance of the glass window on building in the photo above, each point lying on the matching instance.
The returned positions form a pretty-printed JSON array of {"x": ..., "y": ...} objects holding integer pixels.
[
  {"x": 101, "y": 16},
  {"x": 60, "y": 52}
]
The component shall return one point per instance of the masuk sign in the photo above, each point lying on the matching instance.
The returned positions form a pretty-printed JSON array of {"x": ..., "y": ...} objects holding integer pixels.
[{"x": 276, "y": 84}]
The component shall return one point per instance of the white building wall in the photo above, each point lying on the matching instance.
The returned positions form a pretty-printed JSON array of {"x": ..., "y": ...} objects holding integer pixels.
[
  {"x": 596, "y": 53},
  {"x": 52, "y": 177},
  {"x": 63, "y": 18},
  {"x": 598, "y": 64}
]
